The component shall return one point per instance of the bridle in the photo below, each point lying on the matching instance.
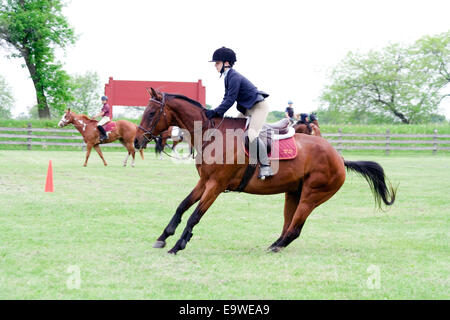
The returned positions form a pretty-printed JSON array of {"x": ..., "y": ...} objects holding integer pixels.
[
  {"x": 148, "y": 135},
  {"x": 64, "y": 120}
]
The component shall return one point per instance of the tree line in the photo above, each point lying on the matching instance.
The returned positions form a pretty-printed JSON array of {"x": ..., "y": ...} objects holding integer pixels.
[{"x": 400, "y": 83}]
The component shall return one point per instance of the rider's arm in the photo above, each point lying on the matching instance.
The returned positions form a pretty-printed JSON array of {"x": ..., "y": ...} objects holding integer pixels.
[
  {"x": 230, "y": 96},
  {"x": 100, "y": 114}
]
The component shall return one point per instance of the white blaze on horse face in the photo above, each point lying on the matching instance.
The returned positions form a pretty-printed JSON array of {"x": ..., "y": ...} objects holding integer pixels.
[{"x": 63, "y": 121}]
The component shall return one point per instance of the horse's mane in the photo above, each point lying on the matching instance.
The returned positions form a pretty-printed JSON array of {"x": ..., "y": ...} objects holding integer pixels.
[
  {"x": 199, "y": 105},
  {"x": 180, "y": 96},
  {"x": 192, "y": 101},
  {"x": 85, "y": 117}
]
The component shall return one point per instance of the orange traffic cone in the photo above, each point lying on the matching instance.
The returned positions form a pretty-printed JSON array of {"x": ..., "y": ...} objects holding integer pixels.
[{"x": 49, "y": 182}]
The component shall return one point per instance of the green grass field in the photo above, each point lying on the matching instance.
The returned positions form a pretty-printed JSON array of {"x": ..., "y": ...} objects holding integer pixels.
[{"x": 103, "y": 222}]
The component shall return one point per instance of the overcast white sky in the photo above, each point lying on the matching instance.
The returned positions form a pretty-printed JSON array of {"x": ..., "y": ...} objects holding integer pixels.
[{"x": 285, "y": 48}]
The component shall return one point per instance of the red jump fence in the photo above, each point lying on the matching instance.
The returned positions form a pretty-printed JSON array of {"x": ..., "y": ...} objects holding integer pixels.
[{"x": 134, "y": 93}]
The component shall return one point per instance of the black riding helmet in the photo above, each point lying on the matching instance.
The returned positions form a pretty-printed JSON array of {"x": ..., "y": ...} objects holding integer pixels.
[{"x": 224, "y": 54}]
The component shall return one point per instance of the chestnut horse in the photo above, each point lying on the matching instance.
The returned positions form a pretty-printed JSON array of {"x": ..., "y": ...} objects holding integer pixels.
[
  {"x": 125, "y": 131},
  {"x": 308, "y": 127},
  {"x": 308, "y": 180},
  {"x": 312, "y": 129}
]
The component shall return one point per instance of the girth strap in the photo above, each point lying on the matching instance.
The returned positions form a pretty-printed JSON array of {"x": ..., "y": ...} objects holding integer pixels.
[{"x": 248, "y": 174}]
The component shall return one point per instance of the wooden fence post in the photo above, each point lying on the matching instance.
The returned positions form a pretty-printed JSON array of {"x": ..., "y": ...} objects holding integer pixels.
[
  {"x": 30, "y": 132},
  {"x": 435, "y": 142},
  {"x": 388, "y": 141}
]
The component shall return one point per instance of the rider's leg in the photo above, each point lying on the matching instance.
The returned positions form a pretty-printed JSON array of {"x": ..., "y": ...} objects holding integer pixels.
[
  {"x": 100, "y": 128},
  {"x": 258, "y": 114}
]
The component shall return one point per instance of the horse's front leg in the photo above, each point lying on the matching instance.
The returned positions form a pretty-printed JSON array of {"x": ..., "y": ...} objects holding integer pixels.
[
  {"x": 126, "y": 159},
  {"x": 133, "y": 154},
  {"x": 99, "y": 151},
  {"x": 88, "y": 152},
  {"x": 210, "y": 194},
  {"x": 192, "y": 198}
]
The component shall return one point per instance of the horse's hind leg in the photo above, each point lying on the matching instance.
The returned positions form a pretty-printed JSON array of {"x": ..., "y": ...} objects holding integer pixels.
[
  {"x": 290, "y": 205},
  {"x": 126, "y": 159},
  {"x": 99, "y": 151},
  {"x": 192, "y": 198},
  {"x": 131, "y": 150},
  {"x": 133, "y": 153},
  {"x": 309, "y": 200}
]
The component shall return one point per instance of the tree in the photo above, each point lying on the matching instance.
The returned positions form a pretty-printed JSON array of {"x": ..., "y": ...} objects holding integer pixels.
[
  {"x": 86, "y": 90},
  {"x": 34, "y": 29},
  {"x": 399, "y": 82},
  {"x": 274, "y": 116},
  {"x": 6, "y": 99},
  {"x": 434, "y": 53}
]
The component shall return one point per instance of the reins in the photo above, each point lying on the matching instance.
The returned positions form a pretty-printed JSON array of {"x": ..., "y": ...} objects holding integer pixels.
[
  {"x": 211, "y": 124},
  {"x": 149, "y": 136}
]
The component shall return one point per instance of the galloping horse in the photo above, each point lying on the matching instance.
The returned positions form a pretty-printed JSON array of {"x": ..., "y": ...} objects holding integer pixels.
[
  {"x": 308, "y": 180},
  {"x": 124, "y": 130}
]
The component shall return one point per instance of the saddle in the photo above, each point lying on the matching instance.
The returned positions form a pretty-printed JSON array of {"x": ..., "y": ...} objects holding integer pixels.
[
  {"x": 110, "y": 126},
  {"x": 280, "y": 127},
  {"x": 278, "y": 138}
]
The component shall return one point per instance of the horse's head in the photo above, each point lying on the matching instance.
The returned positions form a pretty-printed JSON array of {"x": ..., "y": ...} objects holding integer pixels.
[
  {"x": 66, "y": 119},
  {"x": 154, "y": 120}
]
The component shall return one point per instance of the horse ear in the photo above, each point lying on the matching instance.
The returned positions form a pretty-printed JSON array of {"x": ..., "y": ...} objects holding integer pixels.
[
  {"x": 149, "y": 92},
  {"x": 68, "y": 110},
  {"x": 157, "y": 94}
]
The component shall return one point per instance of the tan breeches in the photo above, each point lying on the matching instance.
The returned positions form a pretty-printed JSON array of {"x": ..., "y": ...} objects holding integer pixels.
[
  {"x": 103, "y": 121},
  {"x": 258, "y": 115}
]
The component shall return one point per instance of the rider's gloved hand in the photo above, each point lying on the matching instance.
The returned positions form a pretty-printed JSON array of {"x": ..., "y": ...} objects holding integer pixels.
[{"x": 210, "y": 113}]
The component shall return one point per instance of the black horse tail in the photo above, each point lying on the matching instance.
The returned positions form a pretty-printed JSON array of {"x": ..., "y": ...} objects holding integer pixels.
[
  {"x": 374, "y": 174},
  {"x": 158, "y": 145}
]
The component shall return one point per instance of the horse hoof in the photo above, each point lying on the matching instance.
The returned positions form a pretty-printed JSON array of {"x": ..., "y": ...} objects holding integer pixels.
[
  {"x": 275, "y": 249},
  {"x": 159, "y": 244},
  {"x": 172, "y": 252}
]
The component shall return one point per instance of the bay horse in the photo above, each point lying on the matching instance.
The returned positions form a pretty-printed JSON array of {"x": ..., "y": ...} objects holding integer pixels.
[
  {"x": 124, "y": 130},
  {"x": 308, "y": 180}
]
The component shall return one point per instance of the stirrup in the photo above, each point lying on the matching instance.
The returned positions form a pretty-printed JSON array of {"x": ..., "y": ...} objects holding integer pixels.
[{"x": 265, "y": 172}]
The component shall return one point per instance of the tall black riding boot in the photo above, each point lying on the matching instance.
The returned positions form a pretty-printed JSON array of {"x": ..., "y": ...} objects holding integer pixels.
[
  {"x": 258, "y": 147},
  {"x": 103, "y": 136}
]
